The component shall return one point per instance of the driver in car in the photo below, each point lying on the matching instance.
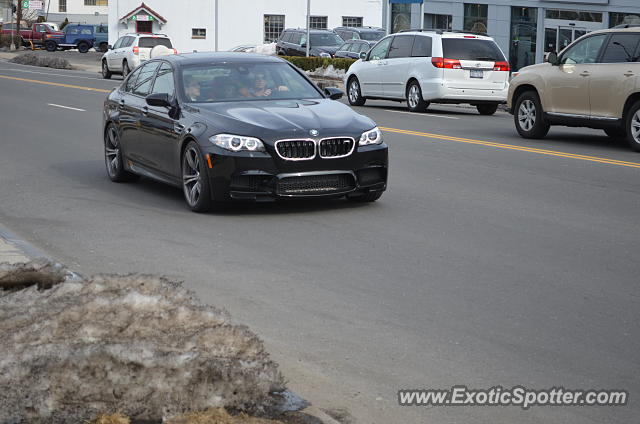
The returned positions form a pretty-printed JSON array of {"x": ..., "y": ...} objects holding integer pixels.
[{"x": 260, "y": 87}]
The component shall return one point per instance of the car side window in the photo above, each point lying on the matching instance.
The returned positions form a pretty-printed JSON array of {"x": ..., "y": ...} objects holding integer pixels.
[
  {"x": 621, "y": 48},
  {"x": 131, "y": 81},
  {"x": 355, "y": 47},
  {"x": 422, "y": 46},
  {"x": 86, "y": 31},
  {"x": 380, "y": 49},
  {"x": 164, "y": 83},
  {"x": 303, "y": 39},
  {"x": 41, "y": 28},
  {"x": 584, "y": 51},
  {"x": 401, "y": 46},
  {"x": 295, "y": 38},
  {"x": 73, "y": 31},
  {"x": 118, "y": 43},
  {"x": 143, "y": 84},
  {"x": 354, "y": 36}
]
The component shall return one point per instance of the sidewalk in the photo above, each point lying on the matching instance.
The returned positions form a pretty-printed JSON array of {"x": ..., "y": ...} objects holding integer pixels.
[{"x": 10, "y": 253}]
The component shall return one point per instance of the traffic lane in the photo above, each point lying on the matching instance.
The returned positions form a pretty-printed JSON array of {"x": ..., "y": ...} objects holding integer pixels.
[
  {"x": 499, "y": 127},
  {"x": 360, "y": 306},
  {"x": 90, "y": 79}
]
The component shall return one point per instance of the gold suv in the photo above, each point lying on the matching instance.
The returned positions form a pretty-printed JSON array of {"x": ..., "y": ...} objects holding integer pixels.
[{"x": 594, "y": 82}]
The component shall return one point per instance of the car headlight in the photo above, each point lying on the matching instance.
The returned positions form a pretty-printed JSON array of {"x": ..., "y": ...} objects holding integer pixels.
[
  {"x": 236, "y": 143},
  {"x": 373, "y": 136},
  {"x": 324, "y": 54}
]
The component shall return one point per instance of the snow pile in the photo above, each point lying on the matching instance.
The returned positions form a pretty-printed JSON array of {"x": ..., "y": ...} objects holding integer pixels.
[
  {"x": 137, "y": 345},
  {"x": 268, "y": 49},
  {"x": 329, "y": 72},
  {"x": 42, "y": 61}
]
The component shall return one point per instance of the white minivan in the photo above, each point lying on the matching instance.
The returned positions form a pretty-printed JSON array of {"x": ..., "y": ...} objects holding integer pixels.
[{"x": 424, "y": 67}]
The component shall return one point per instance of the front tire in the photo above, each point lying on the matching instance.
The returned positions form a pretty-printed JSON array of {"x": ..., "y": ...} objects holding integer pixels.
[
  {"x": 113, "y": 157},
  {"x": 106, "y": 73},
  {"x": 632, "y": 126},
  {"x": 487, "y": 109},
  {"x": 415, "y": 102},
  {"x": 529, "y": 117},
  {"x": 104, "y": 47},
  {"x": 51, "y": 46},
  {"x": 195, "y": 181},
  {"x": 354, "y": 92}
]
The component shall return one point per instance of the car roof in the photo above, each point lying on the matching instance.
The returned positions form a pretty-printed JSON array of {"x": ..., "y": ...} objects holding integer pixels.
[
  {"x": 188, "y": 59},
  {"x": 445, "y": 34},
  {"x": 311, "y": 30},
  {"x": 630, "y": 28},
  {"x": 362, "y": 29}
]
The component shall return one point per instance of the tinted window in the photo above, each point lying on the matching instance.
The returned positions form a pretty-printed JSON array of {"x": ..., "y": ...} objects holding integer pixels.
[
  {"x": 143, "y": 83},
  {"x": 164, "y": 81},
  {"x": 584, "y": 51},
  {"x": 102, "y": 29},
  {"x": 345, "y": 47},
  {"x": 401, "y": 46},
  {"x": 372, "y": 36},
  {"x": 152, "y": 42},
  {"x": 352, "y": 35},
  {"x": 235, "y": 82},
  {"x": 296, "y": 38},
  {"x": 365, "y": 47},
  {"x": 355, "y": 47},
  {"x": 328, "y": 39},
  {"x": 621, "y": 48},
  {"x": 471, "y": 49},
  {"x": 380, "y": 50},
  {"x": 421, "y": 47},
  {"x": 287, "y": 36},
  {"x": 131, "y": 81}
]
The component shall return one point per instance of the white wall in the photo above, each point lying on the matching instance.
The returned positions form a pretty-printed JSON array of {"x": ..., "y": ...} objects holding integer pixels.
[
  {"x": 241, "y": 21},
  {"x": 75, "y": 7}
]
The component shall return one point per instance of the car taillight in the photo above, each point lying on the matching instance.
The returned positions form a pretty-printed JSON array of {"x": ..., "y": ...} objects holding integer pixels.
[
  {"x": 501, "y": 66},
  {"x": 136, "y": 50},
  {"x": 444, "y": 63}
]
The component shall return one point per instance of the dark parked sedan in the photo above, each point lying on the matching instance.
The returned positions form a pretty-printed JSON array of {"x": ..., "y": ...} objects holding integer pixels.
[{"x": 241, "y": 126}]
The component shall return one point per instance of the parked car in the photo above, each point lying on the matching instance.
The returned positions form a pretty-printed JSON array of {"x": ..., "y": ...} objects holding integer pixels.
[
  {"x": 52, "y": 25},
  {"x": 594, "y": 82},
  {"x": 293, "y": 42},
  {"x": 352, "y": 49},
  {"x": 101, "y": 34},
  {"x": 131, "y": 50},
  {"x": 368, "y": 33},
  {"x": 432, "y": 67},
  {"x": 73, "y": 36},
  {"x": 240, "y": 126},
  {"x": 37, "y": 34}
]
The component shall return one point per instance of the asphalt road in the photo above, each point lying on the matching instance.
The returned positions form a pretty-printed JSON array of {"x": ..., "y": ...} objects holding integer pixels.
[{"x": 483, "y": 264}]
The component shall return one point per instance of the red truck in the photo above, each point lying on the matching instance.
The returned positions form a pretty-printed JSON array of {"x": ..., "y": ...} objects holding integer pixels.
[{"x": 37, "y": 34}]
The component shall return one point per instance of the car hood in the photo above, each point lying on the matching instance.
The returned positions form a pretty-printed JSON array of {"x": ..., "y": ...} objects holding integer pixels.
[
  {"x": 325, "y": 49},
  {"x": 273, "y": 120}
]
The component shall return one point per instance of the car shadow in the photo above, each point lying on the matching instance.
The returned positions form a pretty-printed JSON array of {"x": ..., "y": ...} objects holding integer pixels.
[
  {"x": 593, "y": 140},
  {"x": 148, "y": 193}
]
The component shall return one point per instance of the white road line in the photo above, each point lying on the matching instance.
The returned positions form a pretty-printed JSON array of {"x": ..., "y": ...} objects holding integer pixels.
[
  {"x": 421, "y": 114},
  {"x": 70, "y": 75},
  {"x": 66, "y": 107}
]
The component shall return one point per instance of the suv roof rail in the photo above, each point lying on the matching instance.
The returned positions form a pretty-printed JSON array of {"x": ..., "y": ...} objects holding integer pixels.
[
  {"x": 437, "y": 31},
  {"x": 442, "y": 31},
  {"x": 627, "y": 26}
]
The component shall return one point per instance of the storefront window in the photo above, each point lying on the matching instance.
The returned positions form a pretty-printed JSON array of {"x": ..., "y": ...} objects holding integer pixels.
[
  {"x": 573, "y": 15},
  {"x": 475, "y": 18},
  {"x": 524, "y": 29},
  {"x": 400, "y": 17},
  {"x": 432, "y": 21},
  {"x": 616, "y": 18}
]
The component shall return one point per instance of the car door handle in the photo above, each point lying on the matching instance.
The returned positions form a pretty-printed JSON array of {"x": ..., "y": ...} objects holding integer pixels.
[
  {"x": 629, "y": 74},
  {"x": 585, "y": 73}
]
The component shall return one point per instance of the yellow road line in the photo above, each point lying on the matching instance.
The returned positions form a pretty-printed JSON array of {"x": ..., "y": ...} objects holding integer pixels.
[
  {"x": 57, "y": 84},
  {"x": 514, "y": 147}
]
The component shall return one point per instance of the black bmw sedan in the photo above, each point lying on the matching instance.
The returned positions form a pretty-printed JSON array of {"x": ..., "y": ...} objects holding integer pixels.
[{"x": 226, "y": 126}]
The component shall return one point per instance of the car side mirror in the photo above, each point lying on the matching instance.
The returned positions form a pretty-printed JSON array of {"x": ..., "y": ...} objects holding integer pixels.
[
  {"x": 159, "y": 100},
  {"x": 303, "y": 45},
  {"x": 109, "y": 47},
  {"x": 333, "y": 93},
  {"x": 363, "y": 55},
  {"x": 552, "y": 58}
]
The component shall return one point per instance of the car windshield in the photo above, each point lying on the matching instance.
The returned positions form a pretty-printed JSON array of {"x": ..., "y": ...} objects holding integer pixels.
[
  {"x": 471, "y": 49},
  {"x": 371, "y": 36},
  {"x": 236, "y": 82},
  {"x": 326, "y": 40},
  {"x": 154, "y": 41}
]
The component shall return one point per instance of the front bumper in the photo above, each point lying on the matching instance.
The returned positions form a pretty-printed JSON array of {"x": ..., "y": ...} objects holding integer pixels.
[{"x": 260, "y": 177}]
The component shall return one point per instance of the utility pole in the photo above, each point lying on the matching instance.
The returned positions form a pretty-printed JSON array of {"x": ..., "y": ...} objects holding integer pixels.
[
  {"x": 308, "y": 24},
  {"x": 13, "y": 44},
  {"x": 216, "y": 21}
]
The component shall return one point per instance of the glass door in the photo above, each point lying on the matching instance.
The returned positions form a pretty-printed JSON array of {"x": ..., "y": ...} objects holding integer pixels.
[{"x": 556, "y": 38}]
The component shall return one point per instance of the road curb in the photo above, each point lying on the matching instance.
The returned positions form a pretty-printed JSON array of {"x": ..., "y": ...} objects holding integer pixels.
[{"x": 25, "y": 248}]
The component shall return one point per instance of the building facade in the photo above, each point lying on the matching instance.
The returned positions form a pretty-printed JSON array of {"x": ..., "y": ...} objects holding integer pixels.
[
  {"x": 77, "y": 11},
  {"x": 208, "y": 25},
  {"x": 524, "y": 29}
]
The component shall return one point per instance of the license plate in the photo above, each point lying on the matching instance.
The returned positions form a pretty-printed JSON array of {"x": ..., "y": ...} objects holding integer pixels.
[{"x": 477, "y": 73}]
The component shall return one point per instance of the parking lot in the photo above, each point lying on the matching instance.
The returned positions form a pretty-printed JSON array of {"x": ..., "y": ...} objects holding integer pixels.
[{"x": 490, "y": 259}]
